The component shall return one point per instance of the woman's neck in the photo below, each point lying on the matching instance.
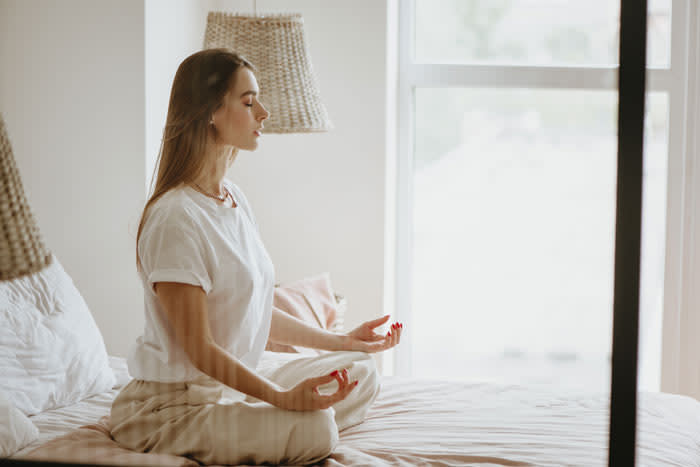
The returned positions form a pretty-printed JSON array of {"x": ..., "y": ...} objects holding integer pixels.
[{"x": 212, "y": 177}]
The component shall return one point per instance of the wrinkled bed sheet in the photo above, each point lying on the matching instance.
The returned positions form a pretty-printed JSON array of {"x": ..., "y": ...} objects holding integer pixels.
[{"x": 424, "y": 422}]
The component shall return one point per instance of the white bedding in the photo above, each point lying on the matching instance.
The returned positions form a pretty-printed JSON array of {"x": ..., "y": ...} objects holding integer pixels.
[
  {"x": 57, "y": 422},
  {"x": 16, "y": 430},
  {"x": 51, "y": 351},
  {"x": 423, "y": 422},
  {"x": 419, "y": 422}
]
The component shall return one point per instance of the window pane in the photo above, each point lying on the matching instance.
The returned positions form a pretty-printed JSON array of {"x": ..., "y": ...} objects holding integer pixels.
[
  {"x": 513, "y": 236},
  {"x": 532, "y": 32}
]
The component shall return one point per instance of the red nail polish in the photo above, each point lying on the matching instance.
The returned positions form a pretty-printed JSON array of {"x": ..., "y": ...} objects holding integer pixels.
[
  {"x": 335, "y": 373},
  {"x": 355, "y": 383}
]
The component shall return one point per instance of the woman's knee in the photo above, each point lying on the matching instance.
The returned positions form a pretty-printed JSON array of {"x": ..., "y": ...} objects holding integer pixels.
[
  {"x": 328, "y": 431},
  {"x": 315, "y": 437},
  {"x": 365, "y": 368}
]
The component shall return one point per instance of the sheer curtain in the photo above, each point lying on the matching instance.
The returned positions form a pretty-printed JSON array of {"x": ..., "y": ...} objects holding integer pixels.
[{"x": 681, "y": 328}]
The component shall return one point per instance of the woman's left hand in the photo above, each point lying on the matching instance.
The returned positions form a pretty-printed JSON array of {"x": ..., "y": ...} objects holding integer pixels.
[{"x": 364, "y": 339}]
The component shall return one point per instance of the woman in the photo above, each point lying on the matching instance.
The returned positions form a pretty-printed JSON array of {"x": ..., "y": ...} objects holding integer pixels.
[{"x": 199, "y": 387}]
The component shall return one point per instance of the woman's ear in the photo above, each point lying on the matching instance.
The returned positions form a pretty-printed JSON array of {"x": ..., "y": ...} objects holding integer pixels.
[{"x": 211, "y": 127}]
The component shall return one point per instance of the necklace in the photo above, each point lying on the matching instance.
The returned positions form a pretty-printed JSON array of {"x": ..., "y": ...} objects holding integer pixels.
[{"x": 221, "y": 198}]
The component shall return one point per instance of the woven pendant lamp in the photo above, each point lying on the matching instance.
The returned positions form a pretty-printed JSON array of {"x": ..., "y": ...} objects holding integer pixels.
[
  {"x": 275, "y": 45},
  {"x": 22, "y": 250}
]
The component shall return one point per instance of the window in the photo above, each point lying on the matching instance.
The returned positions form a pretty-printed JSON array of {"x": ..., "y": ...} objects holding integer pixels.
[{"x": 506, "y": 188}]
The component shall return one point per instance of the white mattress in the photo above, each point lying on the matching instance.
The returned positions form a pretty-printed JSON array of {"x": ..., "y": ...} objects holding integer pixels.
[{"x": 425, "y": 422}]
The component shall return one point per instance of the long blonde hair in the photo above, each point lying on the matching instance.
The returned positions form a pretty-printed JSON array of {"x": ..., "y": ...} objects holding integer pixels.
[{"x": 201, "y": 82}]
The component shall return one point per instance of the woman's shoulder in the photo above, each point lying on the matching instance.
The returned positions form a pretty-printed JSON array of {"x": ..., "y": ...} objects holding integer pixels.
[{"x": 175, "y": 205}]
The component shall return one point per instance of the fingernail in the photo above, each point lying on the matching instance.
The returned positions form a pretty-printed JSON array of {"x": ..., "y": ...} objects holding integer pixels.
[
  {"x": 355, "y": 384},
  {"x": 401, "y": 325},
  {"x": 335, "y": 373},
  {"x": 388, "y": 334}
]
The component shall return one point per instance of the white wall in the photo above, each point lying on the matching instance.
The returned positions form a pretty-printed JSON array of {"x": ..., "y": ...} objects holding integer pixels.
[
  {"x": 85, "y": 91},
  {"x": 174, "y": 30},
  {"x": 71, "y": 92}
]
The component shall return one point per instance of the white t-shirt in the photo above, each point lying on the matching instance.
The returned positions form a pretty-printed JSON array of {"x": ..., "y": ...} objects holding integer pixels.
[{"x": 188, "y": 237}]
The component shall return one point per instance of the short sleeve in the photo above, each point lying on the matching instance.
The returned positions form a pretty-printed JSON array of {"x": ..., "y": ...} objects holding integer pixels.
[{"x": 171, "y": 250}]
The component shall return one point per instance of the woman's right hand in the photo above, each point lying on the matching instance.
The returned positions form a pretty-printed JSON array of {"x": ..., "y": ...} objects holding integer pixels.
[{"x": 305, "y": 395}]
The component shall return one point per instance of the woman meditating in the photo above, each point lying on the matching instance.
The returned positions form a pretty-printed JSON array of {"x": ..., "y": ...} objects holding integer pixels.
[{"x": 199, "y": 389}]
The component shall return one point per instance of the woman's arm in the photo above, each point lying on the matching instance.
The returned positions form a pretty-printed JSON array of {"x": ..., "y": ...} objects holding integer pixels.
[
  {"x": 286, "y": 329},
  {"x": 186, "y": 309}
]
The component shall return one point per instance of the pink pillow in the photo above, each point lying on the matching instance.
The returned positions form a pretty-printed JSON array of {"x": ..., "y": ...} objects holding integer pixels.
[{"x": 311, "y": 300}]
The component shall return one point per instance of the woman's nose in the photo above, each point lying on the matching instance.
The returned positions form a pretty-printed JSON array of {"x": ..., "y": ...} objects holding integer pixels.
[{"x": 264, "y": 114}]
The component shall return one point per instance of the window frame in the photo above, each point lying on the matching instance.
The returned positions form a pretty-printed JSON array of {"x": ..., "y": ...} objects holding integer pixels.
[{"x": 679, "y": 81}]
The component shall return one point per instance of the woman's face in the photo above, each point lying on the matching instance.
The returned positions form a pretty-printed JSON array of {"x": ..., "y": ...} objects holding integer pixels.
[{"x": 239, "y": 120}]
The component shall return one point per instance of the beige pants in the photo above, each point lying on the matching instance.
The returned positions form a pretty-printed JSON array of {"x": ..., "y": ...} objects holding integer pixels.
[{"x": 214, "y": 424}]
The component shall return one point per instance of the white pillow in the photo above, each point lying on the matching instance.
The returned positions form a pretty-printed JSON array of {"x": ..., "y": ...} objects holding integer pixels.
[
  {"x": 51, "y": 351},
  {"x": 16, "y": 430}
]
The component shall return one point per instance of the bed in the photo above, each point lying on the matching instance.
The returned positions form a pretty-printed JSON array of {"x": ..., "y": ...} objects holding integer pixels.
[{"x": 426, "y": 422}]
